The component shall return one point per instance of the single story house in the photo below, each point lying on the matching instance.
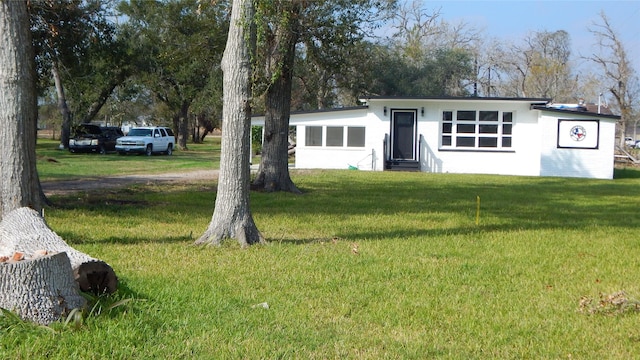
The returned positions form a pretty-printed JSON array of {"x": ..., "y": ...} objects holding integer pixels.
[{"x": 507, "y": 136}]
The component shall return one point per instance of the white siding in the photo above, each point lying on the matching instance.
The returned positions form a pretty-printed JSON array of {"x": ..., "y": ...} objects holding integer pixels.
[
  {"x": 534, "y": 147},
  {"x": 585, "y": 163},
  {"x": 328, "y": 157},
  {"x": 521, "y": 159}
]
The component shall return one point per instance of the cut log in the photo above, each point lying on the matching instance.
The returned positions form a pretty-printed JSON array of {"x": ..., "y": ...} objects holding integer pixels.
[
  {"x": 41, "y": 290},
  {"x": 24, "y": 231}
]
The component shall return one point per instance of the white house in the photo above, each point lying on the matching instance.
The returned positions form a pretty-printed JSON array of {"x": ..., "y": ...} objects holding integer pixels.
[{"x": 508, "y": 136}]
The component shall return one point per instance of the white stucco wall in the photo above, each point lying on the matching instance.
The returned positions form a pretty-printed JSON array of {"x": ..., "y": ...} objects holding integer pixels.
[
  {"x": 534, "y": 150},
  {"x": 520, "y": 159},
  {"x": 324, "y": 157},
  {"x": 574, "y": 162}
]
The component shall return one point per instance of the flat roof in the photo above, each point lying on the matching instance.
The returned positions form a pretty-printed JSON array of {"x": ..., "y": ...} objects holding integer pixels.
[
  {"x": 456, "y": 98},
  {"x": 575, "y": 112}
]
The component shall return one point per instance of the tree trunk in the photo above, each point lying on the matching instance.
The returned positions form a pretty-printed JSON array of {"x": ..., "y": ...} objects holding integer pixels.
[
  {"x": 19, "y": 183},
  {"x": 25, "y": 231},
  {"x": 204, "y": 121},
  {"x": 41, "y": 290},
  {"x": 65, "y": 133},
  {"x": 273, "y": 173},
  {"x": 183, "y": 127},
  {"x": 232, "y": 216}
]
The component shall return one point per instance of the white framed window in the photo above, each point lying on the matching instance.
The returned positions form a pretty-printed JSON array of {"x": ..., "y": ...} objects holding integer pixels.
[
  {"x": 313, "y": 136},
  {"x": 476, "y": 129},
  {"x": 355, "y": 136},
  {"x": 335, "y": 136}
]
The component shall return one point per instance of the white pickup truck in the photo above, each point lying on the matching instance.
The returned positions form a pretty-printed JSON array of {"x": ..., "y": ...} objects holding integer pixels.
[{"x": 147, "y": 140}]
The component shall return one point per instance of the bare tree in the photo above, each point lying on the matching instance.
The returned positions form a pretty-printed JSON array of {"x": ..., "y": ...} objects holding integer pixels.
[
  {"x": 439, "y": 55},
  {"x": 488, "y": 57},
  {"x": 415, "y": 29},
  {"x": 232, "y": 216},
  {"x": 19, "y": 184},
  {"x": 420, "y": 32},
  {"x": 537, "y": 67},
  {"x": 618, "y": 75},
  {"x": 550, "y": 74}
]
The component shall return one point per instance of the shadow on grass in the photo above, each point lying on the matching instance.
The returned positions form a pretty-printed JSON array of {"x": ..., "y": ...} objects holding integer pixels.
[
  {"x": 507, "y": 203},
  {"x": 124, "y": 240},
  {"x": 520, "y": 202},
  {"x": 377, "y": 235}
]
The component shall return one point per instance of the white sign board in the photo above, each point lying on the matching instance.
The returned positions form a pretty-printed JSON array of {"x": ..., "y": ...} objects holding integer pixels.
[{"x": 578, "y": 134}]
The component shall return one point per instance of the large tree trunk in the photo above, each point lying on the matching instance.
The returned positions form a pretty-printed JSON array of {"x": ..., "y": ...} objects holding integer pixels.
[
  {"x": 273, "y": 173},
  {"x": 19, "y": 183},
  {"x": 232, "y": 216},
  {"x": 25, "y": 231},
  {"x": 41, "y": 289}
]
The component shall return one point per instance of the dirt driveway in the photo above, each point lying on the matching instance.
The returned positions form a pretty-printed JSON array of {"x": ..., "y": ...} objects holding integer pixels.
[{"x": 65, "y": 187}]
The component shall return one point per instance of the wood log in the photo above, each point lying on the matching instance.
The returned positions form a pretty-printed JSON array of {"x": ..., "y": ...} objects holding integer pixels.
[
  {"x": 41, "y": 290},
  {"x": 24, "y": 230}
]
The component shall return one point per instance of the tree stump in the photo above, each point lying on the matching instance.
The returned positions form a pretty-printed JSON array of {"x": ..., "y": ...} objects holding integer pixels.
[
  {"x": 24, "y": 231},
  {"x": 41, "y": 289}
]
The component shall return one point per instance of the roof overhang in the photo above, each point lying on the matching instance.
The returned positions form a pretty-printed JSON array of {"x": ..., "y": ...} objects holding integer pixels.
[
  {"x": 536, "y": 101},
  {"x": 574, "y": 112}
]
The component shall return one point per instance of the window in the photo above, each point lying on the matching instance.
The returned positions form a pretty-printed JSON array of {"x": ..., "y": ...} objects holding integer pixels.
[
  {"x": 355, "y": 136},
  {"x": 488, "y": 116},
  {"x": 313, "y": 136},
  {"x": 335, "y": 136},
  {"x": 471, "y": 129},
  {"x": 466, "y": 115}
]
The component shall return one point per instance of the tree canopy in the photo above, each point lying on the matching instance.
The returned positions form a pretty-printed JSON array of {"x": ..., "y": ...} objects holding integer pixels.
[
  {"x": 162, "y": 58},
  {"x": 78, "y": 47},
  {"x": 178, "y": 46}
]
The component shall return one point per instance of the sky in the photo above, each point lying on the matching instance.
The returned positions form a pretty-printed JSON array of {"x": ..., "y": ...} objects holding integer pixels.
[{"x": 513, "y": 20}]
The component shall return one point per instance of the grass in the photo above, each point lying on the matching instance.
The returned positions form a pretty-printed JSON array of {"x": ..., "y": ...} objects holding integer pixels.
[
  {"x": 363, "y": 266},
  {"x": 55, "y": 164}
]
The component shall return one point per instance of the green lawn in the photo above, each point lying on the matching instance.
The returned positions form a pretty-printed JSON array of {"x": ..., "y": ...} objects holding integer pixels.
[
  {"x": 55, "y": 164},
  {"x": 363, "y": 265}
]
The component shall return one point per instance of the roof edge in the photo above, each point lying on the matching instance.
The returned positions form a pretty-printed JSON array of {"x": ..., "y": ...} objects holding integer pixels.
[
  {"x": 574, "y": 112},
  {"x": 299, "y": 112},
  {"x": 465, "y": 98}
]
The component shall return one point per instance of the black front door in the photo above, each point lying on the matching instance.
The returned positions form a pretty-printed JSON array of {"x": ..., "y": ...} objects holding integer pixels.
[{"x": 403, "y": 135}]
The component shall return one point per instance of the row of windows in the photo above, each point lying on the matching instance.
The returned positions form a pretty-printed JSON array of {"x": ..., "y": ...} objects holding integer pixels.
[
  {"x": 477, "y": 129},
  {"x": 460, "y": 129},
  {"x": 334, "y": 136}
]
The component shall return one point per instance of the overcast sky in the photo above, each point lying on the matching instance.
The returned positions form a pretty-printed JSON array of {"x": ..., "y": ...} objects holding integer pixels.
[{"x": 513, "y": 20}]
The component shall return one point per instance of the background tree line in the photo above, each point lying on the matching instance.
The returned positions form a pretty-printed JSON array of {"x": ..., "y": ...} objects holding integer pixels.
[{"x": 144, "y": 61}]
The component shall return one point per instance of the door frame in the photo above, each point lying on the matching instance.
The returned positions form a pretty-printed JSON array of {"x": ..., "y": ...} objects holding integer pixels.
[{"x": 414, "y": 133}]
